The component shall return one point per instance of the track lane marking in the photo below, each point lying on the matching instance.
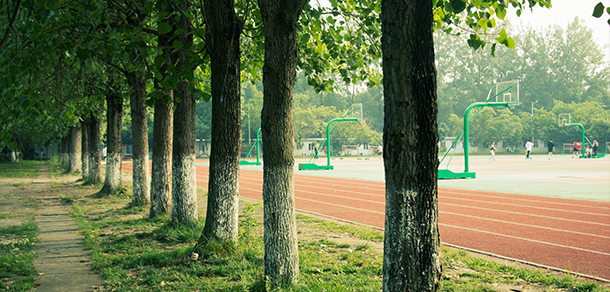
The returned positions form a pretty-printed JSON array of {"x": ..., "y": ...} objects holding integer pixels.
[
  {"x": 533, "y": 207},
  {"x": 527, "y": 239},
  {"x": 528, "y": 225},
  {"x": 526, "y": 214}
]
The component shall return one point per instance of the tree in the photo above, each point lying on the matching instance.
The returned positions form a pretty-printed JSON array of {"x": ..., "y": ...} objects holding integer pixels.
[
  {"x": 161, "y": 180},
  {"x": 223, "y": 30},
  {"x": 114, "y": 158},
  {"x": 141, "y": 178},
  {"x": 412, "y": 260},
  {"x": 280, "y": 19},
  {"x": 184, "y": 184}
]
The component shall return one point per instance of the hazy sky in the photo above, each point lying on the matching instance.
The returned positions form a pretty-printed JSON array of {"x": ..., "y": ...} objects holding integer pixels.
[{"x": 563, "y": 12}]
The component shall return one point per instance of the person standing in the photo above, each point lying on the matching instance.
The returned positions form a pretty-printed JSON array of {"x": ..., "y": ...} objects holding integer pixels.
[
  {"x": 380, "y": 151},
  {"x": 528, "y": 149},
  {"x": 595, "y": 146},
  {"x": 492, "y": 150},
  {"x": 577, "y": 147},
  {"x": 551, "y": 147}
]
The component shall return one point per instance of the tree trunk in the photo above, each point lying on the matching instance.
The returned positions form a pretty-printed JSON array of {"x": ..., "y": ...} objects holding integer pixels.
[
  {"x": 63, "y": 149},
  {"x": 279, "y": 74},
  {"x": 114, "y": 158},
  {"x": 163, "y": 132},
  {"x": 95, "y": 153},
  {"x": 412, "y": 259},
  {"x": 85, "y": 149},
  {"x": 161, "y": 181},
  {"x": 139, "y": 128},
  {"x": 184, "y": 184},
  {"x": 222, "y": 35},
  {"x": 75, "y": 149}
]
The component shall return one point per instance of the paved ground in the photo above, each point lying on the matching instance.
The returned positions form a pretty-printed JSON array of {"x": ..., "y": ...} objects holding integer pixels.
[{"x": 62, "y": 263}]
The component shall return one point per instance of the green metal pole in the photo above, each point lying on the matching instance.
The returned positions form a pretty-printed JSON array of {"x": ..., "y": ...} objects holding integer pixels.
[
  {"x": 582, "y": 129},
  {"x": 328, "y": 135},
  {"x": 466, "y": 120},
  {"x": 258, "y": 149},
  {"x": 466, "y": 135}
]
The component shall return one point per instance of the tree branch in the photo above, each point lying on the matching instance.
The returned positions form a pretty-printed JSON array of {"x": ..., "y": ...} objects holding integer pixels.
[{"x": 10, "y": 24}]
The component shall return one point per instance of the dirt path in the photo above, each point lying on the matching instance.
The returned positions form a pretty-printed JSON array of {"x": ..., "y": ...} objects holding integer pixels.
[{"x": 63, "y": 262}]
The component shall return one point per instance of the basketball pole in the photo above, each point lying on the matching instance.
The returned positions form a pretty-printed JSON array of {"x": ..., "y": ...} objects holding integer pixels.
[{"x": 466, "y": 121}]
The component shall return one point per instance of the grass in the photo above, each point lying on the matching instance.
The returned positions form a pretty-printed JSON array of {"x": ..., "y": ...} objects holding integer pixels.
[
  {"x": 23, "y": 168},
  {"x": 17, "y": 244},
  {"x": 134, "y": 253}
]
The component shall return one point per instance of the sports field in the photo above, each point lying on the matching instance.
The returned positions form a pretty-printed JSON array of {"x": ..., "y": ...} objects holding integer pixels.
[{"x": 551, "y": 213}]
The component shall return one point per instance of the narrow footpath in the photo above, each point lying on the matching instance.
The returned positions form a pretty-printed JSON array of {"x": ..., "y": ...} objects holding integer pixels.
[{"x": 63, "y": 262}]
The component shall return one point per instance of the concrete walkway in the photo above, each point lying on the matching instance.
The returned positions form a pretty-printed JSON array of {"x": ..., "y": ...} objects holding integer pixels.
[{"x": 63, "y": 262}]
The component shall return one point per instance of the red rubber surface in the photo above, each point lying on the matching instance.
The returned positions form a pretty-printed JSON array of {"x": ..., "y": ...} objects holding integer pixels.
[{"x": 569, "y": 234}]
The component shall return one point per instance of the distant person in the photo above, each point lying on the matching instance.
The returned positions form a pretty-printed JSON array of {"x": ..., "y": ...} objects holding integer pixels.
[
  {"x": 551, "y": 147},
  {"x": 492, "y": 150},
  {"x": 315, "y": 150},
  {"x": 595, "y": 147},
  {"x": 588, "y": 151},
  {"x": 577, "y": 147},
  {"x": 528, "y": 149},
  {"x": 380, "y": 151}
]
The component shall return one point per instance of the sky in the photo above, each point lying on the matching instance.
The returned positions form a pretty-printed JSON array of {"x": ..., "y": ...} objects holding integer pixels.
[{"x": 563, "y": 12}]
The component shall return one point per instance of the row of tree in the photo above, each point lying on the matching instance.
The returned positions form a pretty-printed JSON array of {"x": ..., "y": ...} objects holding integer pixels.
[{"x": 67, "y": 63}]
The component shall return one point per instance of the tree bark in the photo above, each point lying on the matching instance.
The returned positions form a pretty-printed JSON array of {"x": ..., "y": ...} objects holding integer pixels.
[
  {"x": 139, "y": 128},
  {"x": 412, "y": 259},
  {"x": 114, "y": 158},
  {"x": 223, "y": 31},
  {"x": 161, "y": 181},
  {"x": 163, "y": 132},
  {"x": 95, "y": 153},
  {"x": 279, "y": 74},
  {"x": 85, "y": 149},
  {"x": 75, "y": 149},
  {"x": 63, "y": 150},
  {"x": 184, "y": 184}
]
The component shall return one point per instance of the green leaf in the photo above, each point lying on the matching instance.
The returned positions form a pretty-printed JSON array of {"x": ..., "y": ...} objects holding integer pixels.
[
  {"x": 305, "y": 38},
  {"x": 83, "y": 54},
  {"x": 12, "y": 146},
  {"x": 206, "y": 96},
  {"x": 458, "y": 5},
  {"x": 599, "y": 10},
  {"x": 164, "y": 27},
  {"x": 159, "y": 61},
  {"x": 178, "y": 44}
]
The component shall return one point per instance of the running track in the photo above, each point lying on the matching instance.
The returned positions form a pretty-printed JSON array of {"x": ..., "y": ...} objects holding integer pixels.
[{"x": 567, "y": 234}]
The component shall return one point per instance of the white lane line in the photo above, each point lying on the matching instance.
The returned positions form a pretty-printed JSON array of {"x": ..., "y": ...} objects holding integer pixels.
[
  {"x": 527, "y": 239},
  {"x": 525, "y": 214},
  {"x": 525, "y": 200},
  {"x": 527, "y": 225},
  {"x": 534, "y": 207}
]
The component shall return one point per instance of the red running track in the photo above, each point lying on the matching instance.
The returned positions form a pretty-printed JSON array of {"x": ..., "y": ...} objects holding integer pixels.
[{"x": 568, "y": 234}]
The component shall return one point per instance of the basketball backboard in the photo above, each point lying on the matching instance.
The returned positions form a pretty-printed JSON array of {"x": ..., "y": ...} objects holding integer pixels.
[
  {"x": 508, "y": 92},
  {"x": 564, "y": 119}
]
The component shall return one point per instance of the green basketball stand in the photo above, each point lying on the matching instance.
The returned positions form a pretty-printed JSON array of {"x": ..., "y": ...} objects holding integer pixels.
[
  {"x": 356, "y": 116},
  {"x": 256, "y": 147},
  {"x": 507, "y": 95}
]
